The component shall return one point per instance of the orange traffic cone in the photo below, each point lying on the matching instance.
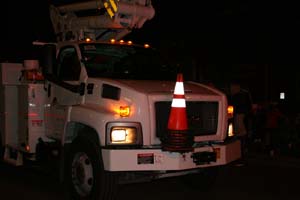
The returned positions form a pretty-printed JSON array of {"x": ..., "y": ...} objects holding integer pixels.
[
  {"x": 177, "y": 138},
  {"x": 178, "y": 118}
]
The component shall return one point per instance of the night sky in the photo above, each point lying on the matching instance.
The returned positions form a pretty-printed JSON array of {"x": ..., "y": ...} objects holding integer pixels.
[
  {"x": 229, "y": 31},
  {"x": 257, "y": 41}
]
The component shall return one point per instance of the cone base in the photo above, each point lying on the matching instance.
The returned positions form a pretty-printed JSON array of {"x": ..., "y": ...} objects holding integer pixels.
[{"x": 178, "y": 141}]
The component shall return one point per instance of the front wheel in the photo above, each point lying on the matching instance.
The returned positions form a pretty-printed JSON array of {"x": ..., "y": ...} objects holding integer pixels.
[{"x": 85, "y": 175}]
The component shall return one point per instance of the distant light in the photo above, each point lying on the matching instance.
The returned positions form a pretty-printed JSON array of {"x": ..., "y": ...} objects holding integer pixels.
[
  {"x": 27, "y": 148},
  {"x": 88, "y": 40},
  {"x": 146, "y": 45},
  {"x": 121, "y": 41},
  {"x": 282, "y": 95},
  {"x": 112, "y": 40},
  {"x": 129, "y": 42}
]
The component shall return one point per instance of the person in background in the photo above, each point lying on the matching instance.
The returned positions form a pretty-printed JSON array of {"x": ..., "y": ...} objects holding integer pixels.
[
  {"x": 272, "y": 140},
  {"x": 242, "y": 103}
]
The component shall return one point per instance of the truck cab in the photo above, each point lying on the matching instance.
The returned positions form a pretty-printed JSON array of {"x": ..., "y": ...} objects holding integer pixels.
[{"x": 119, "y": 95}]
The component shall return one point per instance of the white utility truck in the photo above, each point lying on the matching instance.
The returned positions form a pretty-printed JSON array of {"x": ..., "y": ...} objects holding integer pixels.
[{"x": 96, "y": 108}]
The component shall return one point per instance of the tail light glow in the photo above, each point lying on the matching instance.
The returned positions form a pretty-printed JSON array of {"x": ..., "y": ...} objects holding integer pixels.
[
  {"x": 27, "y": 148},
  {"x": 32, "y": 114}
]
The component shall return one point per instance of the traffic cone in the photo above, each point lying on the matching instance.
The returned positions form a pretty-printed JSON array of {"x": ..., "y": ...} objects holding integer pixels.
[
  {"x": 178, "y": 138},
  {"x": 178, "y": 118}
]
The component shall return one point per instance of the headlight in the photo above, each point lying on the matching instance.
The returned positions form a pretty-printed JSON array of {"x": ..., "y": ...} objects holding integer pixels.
[{"x": 123, "y": 133}]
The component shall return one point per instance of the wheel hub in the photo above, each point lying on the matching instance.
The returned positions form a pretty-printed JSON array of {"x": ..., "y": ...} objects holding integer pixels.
[{"x": 82, "y": 174}]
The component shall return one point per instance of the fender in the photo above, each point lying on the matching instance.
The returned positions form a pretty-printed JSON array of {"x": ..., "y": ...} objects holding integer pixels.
[{"x": 90, "y": 116}]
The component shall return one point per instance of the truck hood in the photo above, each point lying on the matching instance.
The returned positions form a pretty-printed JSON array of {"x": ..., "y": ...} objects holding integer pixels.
[
  {"x": 167, "y": 87},
  {"x": 150, "y": 103}
]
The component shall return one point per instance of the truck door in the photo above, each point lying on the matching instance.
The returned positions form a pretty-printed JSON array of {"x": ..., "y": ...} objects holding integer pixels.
[{"x": 64, "y": 91}]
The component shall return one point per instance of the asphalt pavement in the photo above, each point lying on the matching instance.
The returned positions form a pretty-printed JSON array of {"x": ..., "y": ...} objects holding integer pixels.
[
  {"x": 262, "y": 178},
  {"x": 256, "y": 154}
]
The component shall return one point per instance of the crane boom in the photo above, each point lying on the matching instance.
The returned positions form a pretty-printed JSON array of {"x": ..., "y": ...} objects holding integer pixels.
[{"x": 100, "y": 20}]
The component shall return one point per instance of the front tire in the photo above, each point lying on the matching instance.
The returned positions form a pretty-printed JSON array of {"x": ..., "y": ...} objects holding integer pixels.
[{"x": 85, "y": 175}]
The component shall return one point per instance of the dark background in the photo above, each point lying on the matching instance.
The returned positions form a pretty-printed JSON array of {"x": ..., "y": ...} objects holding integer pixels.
[{"x": 215, "y": 41}]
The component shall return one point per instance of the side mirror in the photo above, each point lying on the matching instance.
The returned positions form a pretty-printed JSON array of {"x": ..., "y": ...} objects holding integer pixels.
[{"x": 48, "y": 59}]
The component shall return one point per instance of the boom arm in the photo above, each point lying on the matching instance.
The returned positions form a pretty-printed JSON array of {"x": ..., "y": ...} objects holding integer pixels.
[{"x": 99, "y": 19}]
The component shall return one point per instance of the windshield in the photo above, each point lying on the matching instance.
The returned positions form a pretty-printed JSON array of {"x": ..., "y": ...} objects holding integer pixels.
[{"x": 125, "y": 62}]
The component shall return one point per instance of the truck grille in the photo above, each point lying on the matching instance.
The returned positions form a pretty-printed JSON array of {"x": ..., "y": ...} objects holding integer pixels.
[{"x": 202, "y": 117}]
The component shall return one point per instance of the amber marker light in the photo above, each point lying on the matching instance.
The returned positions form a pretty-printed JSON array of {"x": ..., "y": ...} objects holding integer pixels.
[
  {"x": 230, "y": 111},
  {"x": 124, "y": 111}
]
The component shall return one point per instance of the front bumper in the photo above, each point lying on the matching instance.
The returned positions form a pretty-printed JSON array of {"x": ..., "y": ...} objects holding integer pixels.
[{"x": 158, "y": 160}]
